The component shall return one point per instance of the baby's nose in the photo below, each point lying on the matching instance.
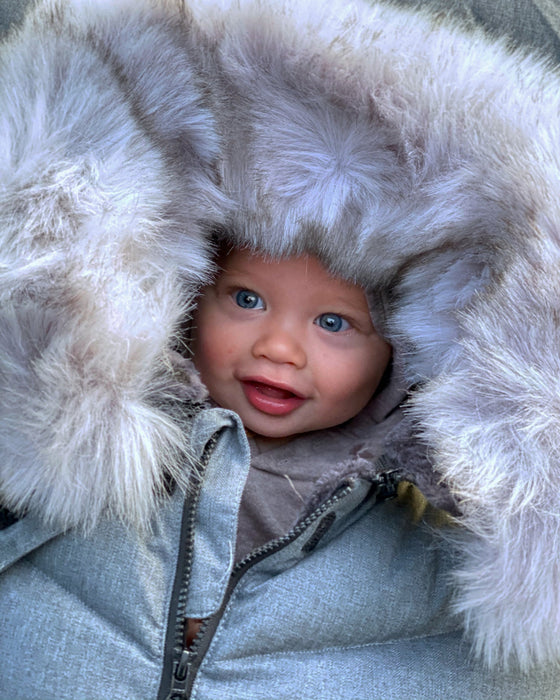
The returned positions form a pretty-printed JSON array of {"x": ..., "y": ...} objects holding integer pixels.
[{"x": 281, "y": 345}]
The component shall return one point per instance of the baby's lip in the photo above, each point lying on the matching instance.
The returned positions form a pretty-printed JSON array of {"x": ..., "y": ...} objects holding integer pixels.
[{"x": 271, "y": 398}]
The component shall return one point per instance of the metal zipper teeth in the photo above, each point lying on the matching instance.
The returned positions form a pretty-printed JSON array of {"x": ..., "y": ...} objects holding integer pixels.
[
  {"x": 187, "y": 536},
  {"x": 205, "y": 635},
  {"x": 385, "y": 484},
  {"x": 281, "y": 542}
]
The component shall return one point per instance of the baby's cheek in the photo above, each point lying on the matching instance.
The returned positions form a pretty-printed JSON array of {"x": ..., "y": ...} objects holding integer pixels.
[
  {"x": 362, "y": 383},
  {"x": 219, "y": 357},
  {"x": 222, "y": 351}
]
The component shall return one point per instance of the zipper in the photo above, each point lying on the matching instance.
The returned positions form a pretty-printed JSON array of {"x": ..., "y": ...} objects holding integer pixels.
[
  {"x": 177, "y": 669},
  {"x": 189, "y": 660},
  {"x": 385, "y": 488}
]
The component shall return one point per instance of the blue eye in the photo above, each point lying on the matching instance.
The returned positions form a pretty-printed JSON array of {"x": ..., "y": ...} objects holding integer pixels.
[
  {"x": 247, "y": 299},
  {"x": 332, "y": 322}
]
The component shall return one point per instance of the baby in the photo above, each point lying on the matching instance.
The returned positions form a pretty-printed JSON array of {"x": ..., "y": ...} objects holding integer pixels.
[
  {"x": 286, "y": 345},
  {"x": 291, "y": 349}
]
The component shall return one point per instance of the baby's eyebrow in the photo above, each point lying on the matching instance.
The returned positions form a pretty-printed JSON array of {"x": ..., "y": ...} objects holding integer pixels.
[
  {"x": 230, "y": 277},
  {"x": 237, "y": 273},
  {"x": 345, "y": 306}
]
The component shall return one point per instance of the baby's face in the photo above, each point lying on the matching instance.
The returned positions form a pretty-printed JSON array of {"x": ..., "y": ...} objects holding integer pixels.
[{"x": 285, "y": 345}]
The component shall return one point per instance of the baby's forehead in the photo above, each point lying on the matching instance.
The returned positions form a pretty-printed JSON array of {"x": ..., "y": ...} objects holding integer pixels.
[
  {"x": 292, "y": 275},
  {"x": 305, "y": 266}
]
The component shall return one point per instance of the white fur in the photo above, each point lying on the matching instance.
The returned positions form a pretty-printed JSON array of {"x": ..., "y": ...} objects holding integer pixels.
[
  {"x": 100, "y": 242},
  {"x": 492, "y": 419}
]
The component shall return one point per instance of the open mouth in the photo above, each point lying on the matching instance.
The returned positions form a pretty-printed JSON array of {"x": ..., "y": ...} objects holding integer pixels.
[{"x": 271, "y": 399}]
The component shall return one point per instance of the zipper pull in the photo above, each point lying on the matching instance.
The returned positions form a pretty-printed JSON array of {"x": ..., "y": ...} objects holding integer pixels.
[
  {"x": 182, "y": 667},
  {"x": 180, "y": 673},
  {"x": 192, "y": 631}
]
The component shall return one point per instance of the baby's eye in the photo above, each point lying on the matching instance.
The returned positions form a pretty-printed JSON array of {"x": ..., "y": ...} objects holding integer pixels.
[
  {"x": 332, "y": 322},
  {"x": 247, "y": 299}
]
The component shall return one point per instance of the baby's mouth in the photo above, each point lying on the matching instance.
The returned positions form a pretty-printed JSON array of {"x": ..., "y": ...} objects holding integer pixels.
[
  {"x": 271, "y": 399},
  {"x": 274, "y": 392}
]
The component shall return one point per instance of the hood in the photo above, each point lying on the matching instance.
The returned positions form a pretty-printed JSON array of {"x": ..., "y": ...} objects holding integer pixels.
[{"x": 406, "y": 156}]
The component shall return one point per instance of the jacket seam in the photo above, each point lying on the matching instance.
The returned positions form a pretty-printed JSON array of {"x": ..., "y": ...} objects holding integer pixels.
[
  {"x": 340, "y": 647},
  {"x": 218, "y": 633}
]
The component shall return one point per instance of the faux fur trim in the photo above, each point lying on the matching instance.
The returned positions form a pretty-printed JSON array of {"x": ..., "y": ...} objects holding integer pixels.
[
  {"x": 102, "y": 240},
  {"x": 493, "y": 422}
]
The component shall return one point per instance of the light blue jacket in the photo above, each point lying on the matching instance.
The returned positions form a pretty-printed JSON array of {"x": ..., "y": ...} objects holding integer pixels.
[{"x": 352, "y": 603}]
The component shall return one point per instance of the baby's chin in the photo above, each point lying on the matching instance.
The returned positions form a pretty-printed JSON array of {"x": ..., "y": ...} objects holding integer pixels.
[
  {"x": 268, "y": 443},
  {"x": 279, "y": 433},
  {"x": 269, "y": 435},
  {"x": 267, "y": 427},
  {"x": 269, "y": 431}
]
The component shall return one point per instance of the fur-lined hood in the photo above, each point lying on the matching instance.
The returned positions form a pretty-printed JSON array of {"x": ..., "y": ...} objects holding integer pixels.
[{"x": 411, "y": 158}]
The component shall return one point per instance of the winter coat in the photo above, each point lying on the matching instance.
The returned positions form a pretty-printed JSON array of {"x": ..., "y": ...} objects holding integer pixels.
[
  {"x": 409, "y": 157},
  {"x": 353, "y": 602}
]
